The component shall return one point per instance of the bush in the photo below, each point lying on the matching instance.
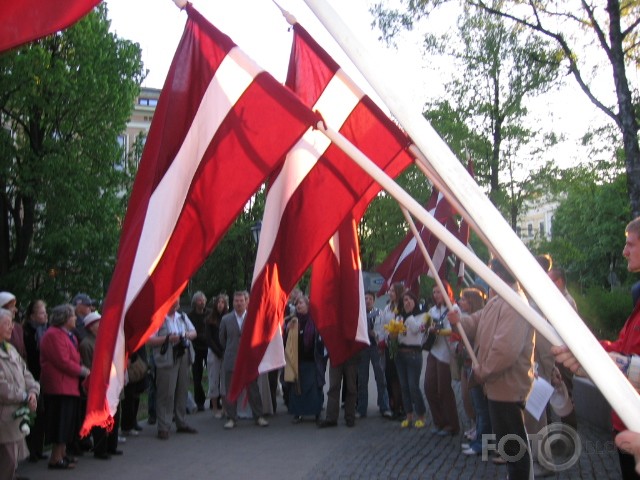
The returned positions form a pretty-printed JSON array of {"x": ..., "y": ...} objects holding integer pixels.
[{"x": 605, "y": 311}]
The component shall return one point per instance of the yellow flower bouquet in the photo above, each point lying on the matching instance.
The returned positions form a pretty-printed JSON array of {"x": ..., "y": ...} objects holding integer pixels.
[{"x": 395, "y": 328}]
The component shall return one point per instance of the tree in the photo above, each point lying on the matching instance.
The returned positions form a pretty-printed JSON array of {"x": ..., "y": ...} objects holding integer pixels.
[
  {"x": 63, "y": 102},
  {"x": 606, "y": 32}
]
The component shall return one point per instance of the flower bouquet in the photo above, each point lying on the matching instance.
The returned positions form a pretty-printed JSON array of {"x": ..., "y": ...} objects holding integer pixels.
[
  {"x": 395, "y": 328},
  {"x": 26, "y": 419}
]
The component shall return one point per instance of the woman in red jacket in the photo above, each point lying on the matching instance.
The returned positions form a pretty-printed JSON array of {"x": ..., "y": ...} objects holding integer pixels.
[{"x": 60, "y": 373}]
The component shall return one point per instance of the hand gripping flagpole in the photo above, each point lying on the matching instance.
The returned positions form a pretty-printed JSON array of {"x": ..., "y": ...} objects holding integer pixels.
[
  {"x": 588, "y": 351},
  {"x": 432, "y": 267}
]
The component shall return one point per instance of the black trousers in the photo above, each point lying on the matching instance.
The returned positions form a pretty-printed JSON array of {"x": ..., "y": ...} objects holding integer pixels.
[
  {"x": 507, "y": 418},
  {"x": 103, "y": 441},
  {"x": 197, "y": 369}
]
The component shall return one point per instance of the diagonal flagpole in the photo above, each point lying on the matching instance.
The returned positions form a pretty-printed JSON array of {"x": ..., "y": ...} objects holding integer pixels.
[
  {"x": 597, "y": 363},
  {"x": 432, "y": 267}
]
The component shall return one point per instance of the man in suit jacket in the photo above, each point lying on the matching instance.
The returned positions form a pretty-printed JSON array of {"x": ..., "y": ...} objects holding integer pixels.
[{"x": 230, "y": 331}]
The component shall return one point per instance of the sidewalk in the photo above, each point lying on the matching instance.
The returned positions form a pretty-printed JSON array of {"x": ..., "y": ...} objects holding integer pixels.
[{"x": 375, "y": 449}]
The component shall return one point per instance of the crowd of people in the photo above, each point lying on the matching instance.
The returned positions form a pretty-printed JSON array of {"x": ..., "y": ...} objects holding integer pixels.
[{"x": 46, "y": 357}]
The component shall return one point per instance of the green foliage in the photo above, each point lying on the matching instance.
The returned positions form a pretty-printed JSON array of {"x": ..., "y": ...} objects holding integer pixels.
[
  {"x": 588, "y": 229},
  {"x": 604, "y": 311},
  {"x": 64, "y": 99}
]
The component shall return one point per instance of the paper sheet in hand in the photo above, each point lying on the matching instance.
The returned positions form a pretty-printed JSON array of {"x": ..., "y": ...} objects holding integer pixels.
[{"x": 539, "y": 397}]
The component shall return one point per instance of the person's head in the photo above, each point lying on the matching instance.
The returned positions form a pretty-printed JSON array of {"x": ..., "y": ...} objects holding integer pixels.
[
  {"x": 369, "y": 300},
  {"x": 632, "y": 246},
  {"x": 83, "y": 304},
  {"x": 198, "y": 301},
  {"x": 240, "y": 301},
  {"x": 222, "y": 303},
  {"x": 8, "y": 302},
  {"x": 63, "y": 316},
  {"x": 471, "y": 300},
  {"x": 395, "y": 293},
  {"x": 545, "y": 261},
  {"x": 302, "y": 305},
  {"x": 92, "y": 322},
  {"x": 295, "y": 294},
  {"x": 409, "y": 302},
  {"x": 438, "y": 296},
  {"x": 175, "y": 306},
  {"x": 36, "y": 312},
  {"x": 501, "y": 271},
  {"x": 6, "y": 324},
  {"x": 558, "y": 277}
]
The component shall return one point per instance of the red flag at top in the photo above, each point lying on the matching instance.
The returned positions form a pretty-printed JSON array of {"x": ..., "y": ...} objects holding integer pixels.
[
  {"x": 27, "y": 20},
  {"x": 221, "y": 127},
  {"x": 318, "y": 187},
  {"x": 406, "y": 262}
]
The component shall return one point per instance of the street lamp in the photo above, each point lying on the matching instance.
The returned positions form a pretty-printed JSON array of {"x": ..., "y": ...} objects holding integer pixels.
[{"x": 255, "y": 231}]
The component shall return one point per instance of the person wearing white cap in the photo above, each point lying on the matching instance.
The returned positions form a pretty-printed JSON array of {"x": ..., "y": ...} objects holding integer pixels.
[{"x": 8, "y": 301}]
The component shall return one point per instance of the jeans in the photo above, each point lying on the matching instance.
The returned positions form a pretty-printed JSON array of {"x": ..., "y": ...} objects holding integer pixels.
[
  {"x": 409, "y": 366},
  {"x": 371, "y": 355},
  {"x": 483, "y": 421}
]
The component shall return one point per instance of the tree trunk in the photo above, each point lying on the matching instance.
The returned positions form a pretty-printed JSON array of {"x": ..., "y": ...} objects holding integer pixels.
[{"x": 626, "y": 115}]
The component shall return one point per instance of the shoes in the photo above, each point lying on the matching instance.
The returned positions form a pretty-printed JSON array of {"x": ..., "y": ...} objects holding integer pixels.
[
  {"x": 102, "y": 456},
  {"x": 230, "y": 424},
  {"x": 218, "y": 414},
  {"x": 186, "y": 429},
  {"x": 445, "y": 433},
  {"x": 351, "y": 423},
  {"x": 116, "y": 452},
  {"x": 297, "y": 419},
  {"x": 137, "y": 427},
  {"x": 121, "y": 439},
  {"x": 387, "y": 414},
  {"x": 464, "y": 446},
  {"x": 62, "y": 464},
  {"x": 262, "y": 422},
  {"x": 405, "y": 423},
  {"x": 130, "y": 433},
  {"x": 71, "y": 459},
  {"x": 470, "y": 434},
  {"x": 327, "y": 423},
  {"x": 359, "y": 415},
  {"x": 539, "y": 471},
  {"x": 470, "y": 451},
  {"x": 435, "y": 430},
  {"x": 151, "y": 421},
  {"x": 162, "y": 435},
  {"x": 419, "y": 424}
]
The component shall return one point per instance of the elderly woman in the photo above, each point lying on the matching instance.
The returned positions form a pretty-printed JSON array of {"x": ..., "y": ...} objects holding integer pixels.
[
  {"x": 60, "y": 373},
  {"x": 17, "y": 389},
  {"x": 9, "y": 302}
]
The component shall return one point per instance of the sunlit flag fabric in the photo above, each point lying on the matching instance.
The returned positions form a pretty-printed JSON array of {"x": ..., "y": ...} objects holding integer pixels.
[
  {"x": 464, "y": 232},
  {"x": 25, "y": 20},
  {"x": 315, "y": 191},
  {"x": 222, "y": 126},
  {"x": 406, "y": 262}
]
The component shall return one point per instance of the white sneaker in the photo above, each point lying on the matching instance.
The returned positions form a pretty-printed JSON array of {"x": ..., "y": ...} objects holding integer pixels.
[
  {"x": 465, "y": 446},
  {"x": 469, "y": 451},
  {"x": 387, "y": 414},
  {"x": 218, "y": 414},
  {"x": 262, "y": 422},
  {"x": 230, "y": 424}
]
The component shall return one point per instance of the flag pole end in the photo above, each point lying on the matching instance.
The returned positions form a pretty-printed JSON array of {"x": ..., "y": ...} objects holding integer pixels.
[
  {"x": 287, "y": 16},
  {"x": 181, "y": 4}
]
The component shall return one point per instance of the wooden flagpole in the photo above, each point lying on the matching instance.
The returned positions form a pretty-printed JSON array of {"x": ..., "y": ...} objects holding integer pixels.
[{"x": 436, "y": 276}]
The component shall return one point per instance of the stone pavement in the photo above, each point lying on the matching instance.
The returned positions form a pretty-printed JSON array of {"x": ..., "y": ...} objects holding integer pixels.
[{"x": 375, "y": 449}]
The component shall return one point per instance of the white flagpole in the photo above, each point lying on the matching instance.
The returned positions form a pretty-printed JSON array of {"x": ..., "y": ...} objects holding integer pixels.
[
  {"x": 436, "y": 276},
  {"x": 611, "y": 382}
]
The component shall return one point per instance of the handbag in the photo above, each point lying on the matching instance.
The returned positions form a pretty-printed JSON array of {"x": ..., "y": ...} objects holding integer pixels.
[
  {"x": 137, "y": 370},
  {"x": 429, "y": 339}
]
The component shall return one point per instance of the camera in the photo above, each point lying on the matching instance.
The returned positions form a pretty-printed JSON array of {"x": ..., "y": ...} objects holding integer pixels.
[{"x": 180, "y": 347}]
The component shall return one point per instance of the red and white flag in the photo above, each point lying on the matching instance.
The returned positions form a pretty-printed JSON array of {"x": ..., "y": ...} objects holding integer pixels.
[
  {"x": 406, "y": 262},
  {"x": 318, "y": 187},
  {"x": 337, "y": 295},
  {"x": 222, "y": 126},
  {"x": 27, "y": 20}
]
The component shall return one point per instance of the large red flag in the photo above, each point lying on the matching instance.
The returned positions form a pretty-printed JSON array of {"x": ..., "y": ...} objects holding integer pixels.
[
  {"x": 315, "y": 191},
  {"x": 27, "y": 20},
  {"x": 337, "y": 295},
  {"x": 221, "y": 127},
  {"x": 406, "y": 262}
]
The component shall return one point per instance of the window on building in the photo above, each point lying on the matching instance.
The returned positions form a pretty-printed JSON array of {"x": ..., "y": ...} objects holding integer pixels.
[
  {"x": 530, "y": 230},
  {"x": 519, "y": 231},
  {"x": 541, "y": 229},
  {"x": 123, "y": 142}
]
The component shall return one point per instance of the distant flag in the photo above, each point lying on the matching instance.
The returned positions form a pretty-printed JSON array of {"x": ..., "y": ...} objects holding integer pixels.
[
  {"x": 318, "y": 187},
  {"x": 27, "y": 20},
  {"x": 222, "y": 125},
  {"x": 406, "y": 262}
]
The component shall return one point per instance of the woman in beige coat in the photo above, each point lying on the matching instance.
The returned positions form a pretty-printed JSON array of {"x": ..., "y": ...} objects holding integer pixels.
[{"x": 17, "y": 389}]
